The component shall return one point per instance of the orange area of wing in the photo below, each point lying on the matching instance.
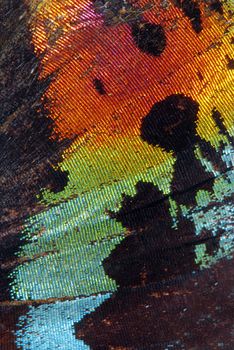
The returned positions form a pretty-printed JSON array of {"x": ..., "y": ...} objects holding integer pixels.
[{"x": 83, "y": 49}]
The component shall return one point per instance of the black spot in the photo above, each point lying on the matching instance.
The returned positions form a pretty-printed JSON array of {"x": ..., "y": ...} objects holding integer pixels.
[
  {"x": 191, "y": 10},
  {"x": 230, "y": 64},
  {"x": 99, "y": 86},
  {"x": 150, "y": 38},
  {"x": 216, "y": 6},
  {"x": 171, "y": 123}
]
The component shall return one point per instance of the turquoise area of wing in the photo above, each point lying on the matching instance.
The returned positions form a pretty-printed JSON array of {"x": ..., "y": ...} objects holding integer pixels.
[{"x": 51, "y": 326}]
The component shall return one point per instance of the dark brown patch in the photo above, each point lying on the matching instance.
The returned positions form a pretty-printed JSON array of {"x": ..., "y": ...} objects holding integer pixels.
[
  {"x": 200, "y": 76},
  {"x": 216, "y": 5},
  {"x": 219, "y": 121},
  {"x": 191, "y": 10},
  {"x": 190, "y": 176},
  {"x": 9, "y": 317},
  {"x": 230, "y": 64},
  {"x": 194, "y": 313},
  {"x": 29, "y": 155},
  {"x": 153, "y": 250}
]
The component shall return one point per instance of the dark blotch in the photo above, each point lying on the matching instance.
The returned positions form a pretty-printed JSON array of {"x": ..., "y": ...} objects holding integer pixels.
[
  {"x": 216, "y": 6},
  {"x": 214, "y": 156},
  {"x": 146, "y": 194},
  {"x": 200, "y": 76},
  {"x": 153, "y": 250},
  {"x": 230, "y": 63},
  {"x": 99, "y": 86},
  {"x": 217, "y": 117},
  {"x": 148, "y": 317},
  {"x": 192, "y": 11},
  {"x": 150, "y": 38},
  {"x": 60, "y": 179},
  {"x": 171, "y": 123},
  {"x": 189, "y": 177}
]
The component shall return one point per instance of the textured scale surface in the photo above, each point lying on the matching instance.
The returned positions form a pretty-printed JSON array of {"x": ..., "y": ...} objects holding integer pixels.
[{"x": 117, "y": 185}]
